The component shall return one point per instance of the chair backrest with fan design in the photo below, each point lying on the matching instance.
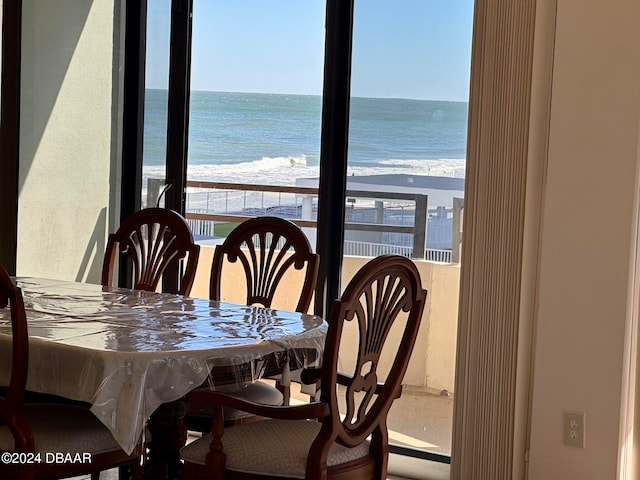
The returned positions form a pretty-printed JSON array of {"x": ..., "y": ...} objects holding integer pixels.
[
  {"x": 152, "y": 238},
  {"x": 267, "y": 248},
  {"x": 375, "y": 300}
]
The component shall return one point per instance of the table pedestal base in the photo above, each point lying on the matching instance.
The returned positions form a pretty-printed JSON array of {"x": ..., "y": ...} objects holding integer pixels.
[{"x": 168, "y": 435}]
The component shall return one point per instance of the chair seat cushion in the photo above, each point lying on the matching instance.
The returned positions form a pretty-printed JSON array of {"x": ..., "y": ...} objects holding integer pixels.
[
  {"x": 64, "y": 429},
  {"x": 251, "y": 448},
  {"x": 258, "y": 392}
]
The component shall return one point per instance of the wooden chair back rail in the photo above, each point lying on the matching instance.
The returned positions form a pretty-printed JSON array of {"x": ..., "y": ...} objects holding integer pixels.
[
  {"x": 153, "y": 239},
  {"x": 382, "y": 289},
  {"x": 11, "y": 296},
  {"x": 267, "y": 248}
]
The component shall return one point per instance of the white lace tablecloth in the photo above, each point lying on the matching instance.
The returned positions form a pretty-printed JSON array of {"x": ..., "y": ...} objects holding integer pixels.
[{"x": 128, "y": 351}]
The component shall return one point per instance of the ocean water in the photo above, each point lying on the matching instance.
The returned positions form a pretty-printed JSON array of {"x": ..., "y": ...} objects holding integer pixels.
[{"x": 275, "y": 138}]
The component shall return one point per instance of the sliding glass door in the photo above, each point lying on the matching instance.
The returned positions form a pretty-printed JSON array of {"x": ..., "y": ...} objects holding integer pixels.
[
  {"x": 405, "y": 183},
  {"x": 272, "y": 130},
  {"x": 255, "y": 110},
  {"x": 156, "y": 106}
]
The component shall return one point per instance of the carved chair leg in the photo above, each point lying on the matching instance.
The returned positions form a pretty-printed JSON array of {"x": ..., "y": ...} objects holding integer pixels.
[{"x": 215, "y": 462}]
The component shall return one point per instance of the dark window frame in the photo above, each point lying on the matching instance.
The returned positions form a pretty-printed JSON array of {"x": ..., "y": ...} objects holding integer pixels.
[
  {"x": 334, "y": 140},
  {"x": 10, "y": 132},
  {"x": 133, "y": 118}
]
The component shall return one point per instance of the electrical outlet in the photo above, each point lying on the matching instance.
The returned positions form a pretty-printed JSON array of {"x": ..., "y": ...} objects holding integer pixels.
[{"x": 573, "y": 428}]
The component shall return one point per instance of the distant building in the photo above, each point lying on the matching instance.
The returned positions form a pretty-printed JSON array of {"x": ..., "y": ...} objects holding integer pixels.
[
  {"x": 440, "y": 193},
  {"x": 440, "y": 190}
]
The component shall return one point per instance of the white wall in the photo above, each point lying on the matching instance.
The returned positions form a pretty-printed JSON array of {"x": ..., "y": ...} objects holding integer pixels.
[
  {"x": 67, "y": 137},
  {"x": 586, "y": 235}
]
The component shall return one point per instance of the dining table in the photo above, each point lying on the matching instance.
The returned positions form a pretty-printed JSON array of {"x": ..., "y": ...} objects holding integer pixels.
[{"x": 133, "y": 355}]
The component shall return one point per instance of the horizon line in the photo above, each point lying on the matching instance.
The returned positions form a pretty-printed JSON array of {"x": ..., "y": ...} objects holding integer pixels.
[{"x": 320, "y": 95}]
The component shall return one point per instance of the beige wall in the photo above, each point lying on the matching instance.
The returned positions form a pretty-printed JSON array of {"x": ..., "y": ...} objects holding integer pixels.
[
  {"x": 586, "y": 255},
  {"x": 68, "y": 138},
  {"x": 432, "y": 365}
]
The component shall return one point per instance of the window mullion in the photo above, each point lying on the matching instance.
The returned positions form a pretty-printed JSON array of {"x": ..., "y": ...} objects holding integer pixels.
[{"x": 333, "y": 150}]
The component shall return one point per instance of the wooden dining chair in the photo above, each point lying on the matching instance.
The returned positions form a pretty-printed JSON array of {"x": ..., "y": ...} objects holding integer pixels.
[
  {"x": 46, "y": 441},
  {"x": 152, "y": 239},
  {"x": 322, "y": 440},
  {"x": 267, "y": 249}
]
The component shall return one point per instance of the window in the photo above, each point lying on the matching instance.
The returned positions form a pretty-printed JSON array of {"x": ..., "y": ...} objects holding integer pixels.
[
  {"x": 255, "y": 106},
  {"x": 255, "y": 118},
  {"x": 405, "y": 184},
  {"x": 156, "y": 100}
]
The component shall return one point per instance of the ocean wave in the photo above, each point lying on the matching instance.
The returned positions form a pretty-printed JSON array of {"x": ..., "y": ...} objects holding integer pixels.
[
  {"x": 267, "y": 170},
  {"x": 263, "y": 164},
  {"x": 420, "y": 163},
  {"x": 286, "y": 169},
  {"x": 442, "y": 167}
]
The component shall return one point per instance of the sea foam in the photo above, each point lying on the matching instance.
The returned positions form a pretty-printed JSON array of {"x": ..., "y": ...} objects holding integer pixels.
[{"x": 284, "y": 170}]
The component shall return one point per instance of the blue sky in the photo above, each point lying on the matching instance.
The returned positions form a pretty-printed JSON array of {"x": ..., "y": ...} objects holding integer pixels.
[{"x": 402, "y": 48}]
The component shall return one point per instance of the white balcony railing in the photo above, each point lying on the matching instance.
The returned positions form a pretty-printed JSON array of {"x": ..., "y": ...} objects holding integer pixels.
[
  {"x": 367, "y": 249},
  {"x": 300, "y": 210}
]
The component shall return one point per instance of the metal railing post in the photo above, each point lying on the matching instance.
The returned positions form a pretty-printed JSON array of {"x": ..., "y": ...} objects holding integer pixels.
[
  {"x": 456, "y": 235},
  {"x": 154, "y": 185},
  {"x": 420, "y": 227}
]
